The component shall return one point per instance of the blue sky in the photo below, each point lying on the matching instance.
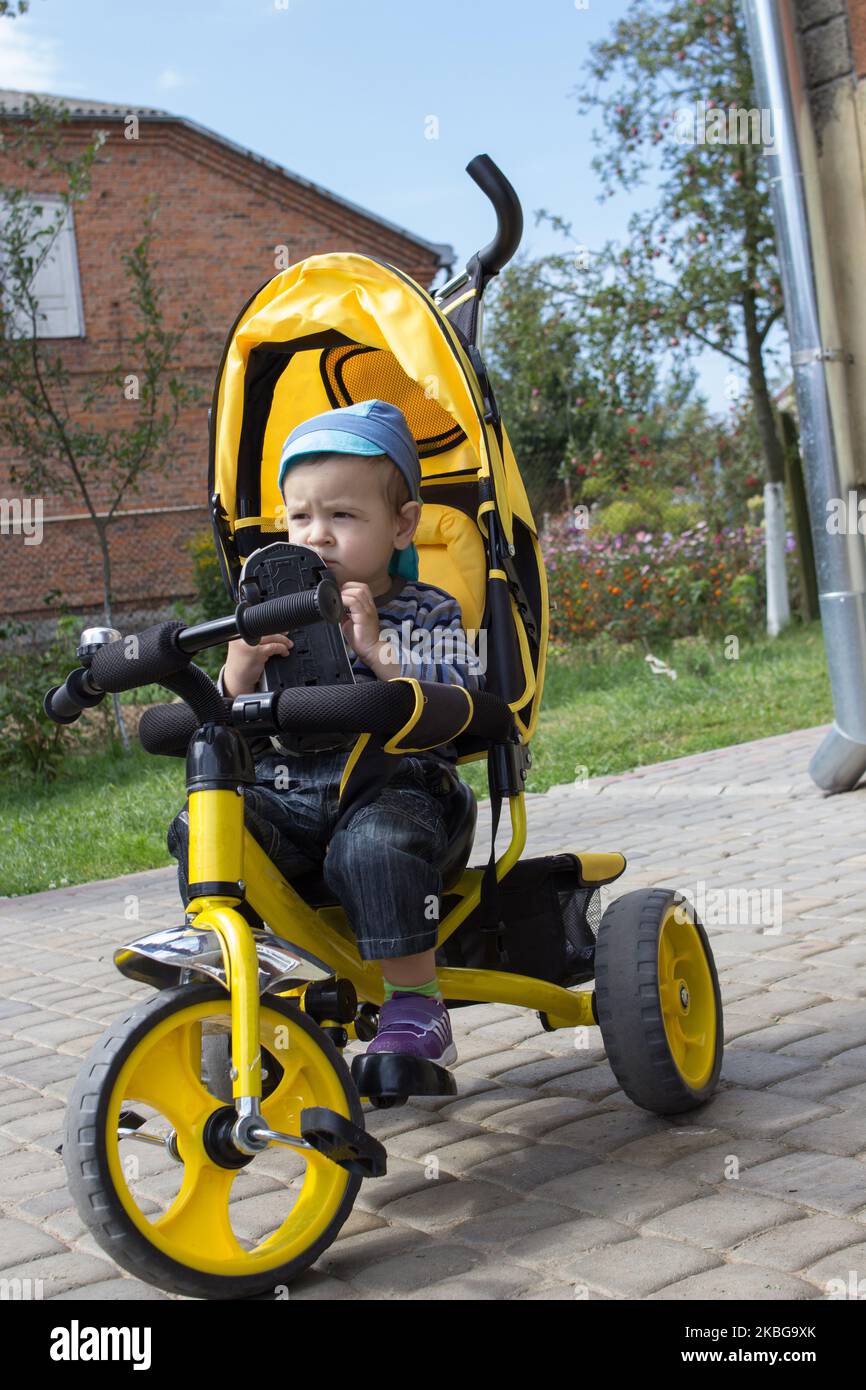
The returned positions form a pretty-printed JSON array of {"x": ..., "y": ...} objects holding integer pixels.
[{"x": 341, "y": 92}]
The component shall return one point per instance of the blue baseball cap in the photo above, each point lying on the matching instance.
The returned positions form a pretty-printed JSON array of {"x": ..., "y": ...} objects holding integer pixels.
[{"x": 365, "y": 428}]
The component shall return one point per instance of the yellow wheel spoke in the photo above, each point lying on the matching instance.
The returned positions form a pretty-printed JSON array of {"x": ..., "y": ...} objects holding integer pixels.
[
  {"x": 318, "y": 1182},
  {"x": 669, "y": 997},
  {"x": 674, "y": 952},
  {"x": 690, "y": 1027},
  {"x": 287, "y": 1097},
  {"x": 198, "y": 1218},
  {"x": 168, "y": 1078},
  {"x": 665, "y": 972}
]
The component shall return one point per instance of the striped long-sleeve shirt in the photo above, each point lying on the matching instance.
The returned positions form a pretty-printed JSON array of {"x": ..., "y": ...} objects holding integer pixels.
[{"x": 424, "y": 628}]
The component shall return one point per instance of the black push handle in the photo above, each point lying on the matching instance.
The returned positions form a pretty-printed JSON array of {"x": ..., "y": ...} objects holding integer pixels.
[{"x": 509, "y": 216}]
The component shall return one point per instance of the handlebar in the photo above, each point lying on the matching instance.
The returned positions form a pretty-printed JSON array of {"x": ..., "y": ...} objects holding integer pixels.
[
  {"x": 64, "y": 703},
  {"x": 163, "y": 654}
]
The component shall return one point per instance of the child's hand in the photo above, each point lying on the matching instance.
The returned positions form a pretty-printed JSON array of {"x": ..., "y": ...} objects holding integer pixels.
[
  {"x": 361, "y": 629},
  {"x": 244, "y": 663}
]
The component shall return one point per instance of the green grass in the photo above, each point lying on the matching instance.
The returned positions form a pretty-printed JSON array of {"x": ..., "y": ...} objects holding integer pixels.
[
  {"x": 603, "y": 710},
  {"x": 106, "y": 815},
  {"x": 612, "y": 714}
]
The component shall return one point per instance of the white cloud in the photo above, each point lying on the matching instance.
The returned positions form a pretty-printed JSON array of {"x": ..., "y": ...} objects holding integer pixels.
[
  {"x": 170, "y": 78},
  {"x": 28, "y": 63}
]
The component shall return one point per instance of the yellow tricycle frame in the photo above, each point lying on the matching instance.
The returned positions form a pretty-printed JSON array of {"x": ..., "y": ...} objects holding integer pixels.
[{"x": 222, "y": 850}]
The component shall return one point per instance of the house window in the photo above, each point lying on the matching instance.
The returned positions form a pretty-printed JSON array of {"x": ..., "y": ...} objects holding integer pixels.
[{"x": 55, "y": 286}]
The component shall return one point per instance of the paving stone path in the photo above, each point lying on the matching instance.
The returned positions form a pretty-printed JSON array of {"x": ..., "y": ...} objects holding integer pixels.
[{"x": 541, "y": 1179}]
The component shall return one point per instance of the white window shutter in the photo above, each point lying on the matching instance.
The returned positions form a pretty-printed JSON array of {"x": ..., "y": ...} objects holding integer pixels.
[{"x": 56, "y": 285}]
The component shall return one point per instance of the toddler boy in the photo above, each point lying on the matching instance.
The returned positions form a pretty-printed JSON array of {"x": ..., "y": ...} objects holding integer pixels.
[{"x": 350, "y": 480}]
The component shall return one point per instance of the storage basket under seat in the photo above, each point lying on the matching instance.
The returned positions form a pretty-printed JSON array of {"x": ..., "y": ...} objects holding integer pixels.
[{"x": 550, "y": 923}]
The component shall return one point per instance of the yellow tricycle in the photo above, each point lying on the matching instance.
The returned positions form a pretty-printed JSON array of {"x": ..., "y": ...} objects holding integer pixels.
[{"x": 215, "y": 1139}]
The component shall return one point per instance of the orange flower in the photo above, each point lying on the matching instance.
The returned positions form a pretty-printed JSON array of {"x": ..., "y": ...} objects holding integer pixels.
[{"x": 613, "y": 588}]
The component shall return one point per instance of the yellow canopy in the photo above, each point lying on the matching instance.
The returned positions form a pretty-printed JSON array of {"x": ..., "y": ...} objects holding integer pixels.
[{"x": 342, "y": 327}]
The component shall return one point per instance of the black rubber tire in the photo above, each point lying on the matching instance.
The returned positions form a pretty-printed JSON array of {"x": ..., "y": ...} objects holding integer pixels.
[
  {"x": 629, "y": 1008},
  {"x": 90, "y": 1179}
]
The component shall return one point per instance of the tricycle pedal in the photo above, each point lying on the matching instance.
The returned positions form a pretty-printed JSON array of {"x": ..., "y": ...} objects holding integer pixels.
[
  {"x": 344, "y": 1143},
  {"x": 391, "y": 1077},
  {"x": 130, "y": 1119}
]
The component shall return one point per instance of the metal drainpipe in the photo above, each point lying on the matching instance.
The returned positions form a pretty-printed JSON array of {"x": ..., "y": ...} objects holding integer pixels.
[{"x": 819, "y": 378}]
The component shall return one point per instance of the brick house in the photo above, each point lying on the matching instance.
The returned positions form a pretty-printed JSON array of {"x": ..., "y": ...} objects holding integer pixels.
[{"x": 223, "y": 212}]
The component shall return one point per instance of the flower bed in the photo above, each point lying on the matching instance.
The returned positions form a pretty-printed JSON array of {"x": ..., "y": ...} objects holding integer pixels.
[{"x": 646, "y": 585}]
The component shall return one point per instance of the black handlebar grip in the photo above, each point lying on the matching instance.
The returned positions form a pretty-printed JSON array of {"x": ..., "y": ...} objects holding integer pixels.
[
  {"x": 140, "y": 660},
  {"x": 59, "y": 705},
  {"x": 379, "y": 707},
  {"x": 64, "y": 703},
  {"x": 168, "y": 729},
  {"x": 291, "y": 610}
]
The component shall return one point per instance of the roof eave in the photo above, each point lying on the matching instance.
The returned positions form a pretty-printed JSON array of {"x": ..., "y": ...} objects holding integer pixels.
[{"x": 443, "y": 252}]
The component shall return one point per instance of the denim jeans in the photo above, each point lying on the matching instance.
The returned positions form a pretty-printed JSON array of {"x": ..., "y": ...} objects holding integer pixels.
[{"x": 382, "y": 865}]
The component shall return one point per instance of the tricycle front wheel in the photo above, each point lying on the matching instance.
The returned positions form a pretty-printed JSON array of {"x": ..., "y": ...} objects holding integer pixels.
[{"x": 151, "y": 1166}]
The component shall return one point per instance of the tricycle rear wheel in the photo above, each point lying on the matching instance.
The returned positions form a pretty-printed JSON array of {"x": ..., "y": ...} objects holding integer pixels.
[{"x": 658, "y": 1001}]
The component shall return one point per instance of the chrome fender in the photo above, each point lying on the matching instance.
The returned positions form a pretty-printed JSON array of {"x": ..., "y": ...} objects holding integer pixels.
[{"x": 160, "y": 958}]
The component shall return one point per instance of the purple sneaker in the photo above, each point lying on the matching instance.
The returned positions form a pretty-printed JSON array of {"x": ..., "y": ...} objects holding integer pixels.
[{"x": 416, "y": 1026}]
